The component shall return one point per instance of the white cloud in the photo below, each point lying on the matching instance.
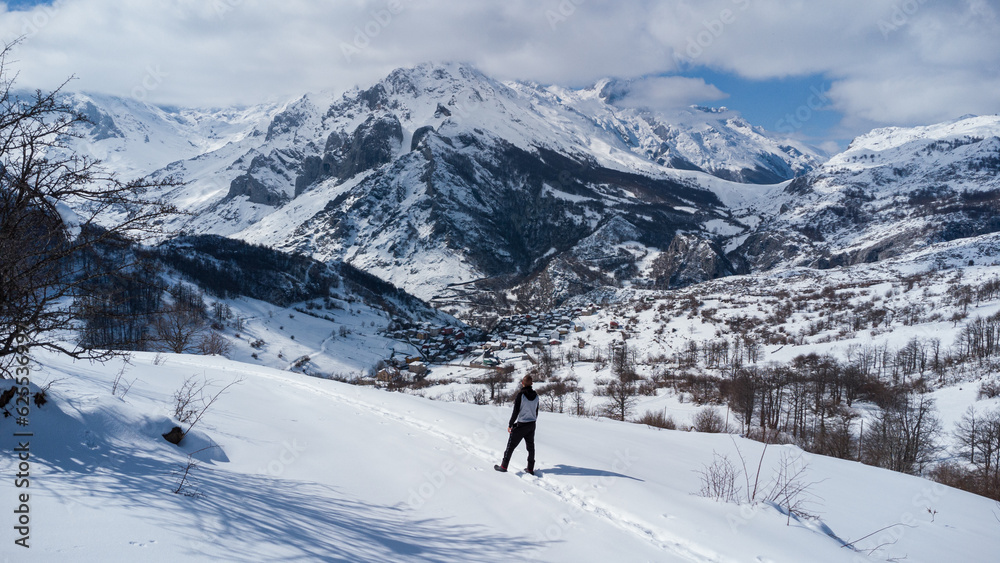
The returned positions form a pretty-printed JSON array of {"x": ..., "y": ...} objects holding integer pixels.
[
  {"x": 224, "y": 51},
  {"x": 896, "y": 62},
  {"x": 916, "y": 99},
  {"x": 666, "y": 93}
]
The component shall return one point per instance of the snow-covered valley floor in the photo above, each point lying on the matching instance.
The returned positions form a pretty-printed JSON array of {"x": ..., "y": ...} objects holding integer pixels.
[{"x": 308, "y": 469}]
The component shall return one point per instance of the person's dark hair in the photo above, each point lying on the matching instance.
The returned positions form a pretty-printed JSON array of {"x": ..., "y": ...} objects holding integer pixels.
[{"x": 526, "y": 381}]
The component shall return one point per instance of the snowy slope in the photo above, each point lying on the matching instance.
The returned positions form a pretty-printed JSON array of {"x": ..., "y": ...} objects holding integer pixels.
[
  {"x": 194, "y": 146},
  {"x": 311, "y": 469},
  {"x": 136, "y": 139}
]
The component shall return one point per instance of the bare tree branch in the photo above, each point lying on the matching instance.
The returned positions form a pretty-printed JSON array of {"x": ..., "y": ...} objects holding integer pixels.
[{"x": 65, "y": 221}]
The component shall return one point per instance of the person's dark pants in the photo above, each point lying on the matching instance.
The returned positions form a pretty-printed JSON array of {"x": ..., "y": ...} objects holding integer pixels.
[{"x": 521, "y": 431}]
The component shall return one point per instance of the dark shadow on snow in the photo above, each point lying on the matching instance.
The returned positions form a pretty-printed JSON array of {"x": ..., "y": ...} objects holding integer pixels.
[
  {"x": 255, "y": 517},
  {"x": 562, "y": 469}
]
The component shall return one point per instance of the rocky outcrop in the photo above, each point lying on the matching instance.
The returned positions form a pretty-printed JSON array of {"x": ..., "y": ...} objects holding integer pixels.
[
  {"x": 419, "y": 135},
  {"x": 102, "y": 125},
  {"x": 256, "y": 191},
  {"x": 374, "y": 143},
  {"x": 442, "y": 111},
  {"x": 688, "y": 260}
]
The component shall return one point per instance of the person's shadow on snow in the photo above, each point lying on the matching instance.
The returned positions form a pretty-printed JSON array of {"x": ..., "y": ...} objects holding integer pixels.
[{"x": 563, "y": 469}]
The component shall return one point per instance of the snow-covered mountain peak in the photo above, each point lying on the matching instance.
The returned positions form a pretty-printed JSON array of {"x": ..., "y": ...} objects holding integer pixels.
[
  {"x": 430, "y": 78},
  {"x": 886, "y": 138}
]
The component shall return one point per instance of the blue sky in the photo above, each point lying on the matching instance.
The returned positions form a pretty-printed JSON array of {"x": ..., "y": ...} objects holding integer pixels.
[
  {"x": 25, "y": 4},
  {"x": 793, "y": 105},
  {"x": 821, "y": 71}
]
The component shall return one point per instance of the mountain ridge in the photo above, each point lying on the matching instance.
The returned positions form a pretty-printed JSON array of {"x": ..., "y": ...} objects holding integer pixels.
[{"x": 439, "y": 175}]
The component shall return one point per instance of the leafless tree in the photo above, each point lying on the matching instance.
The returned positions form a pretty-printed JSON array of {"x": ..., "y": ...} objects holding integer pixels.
[
  {"x": 214, "y": 344},
  {"x": 496, "y": 379},
  {"x": 902, "y": 436},
  {"x": 966, "y": 433},
  {"x": 978, "y": 439},
  {"x": 622, "y": 393},
  {"x": 178, "y": 328},
  {"x": 61, "y": 214}
]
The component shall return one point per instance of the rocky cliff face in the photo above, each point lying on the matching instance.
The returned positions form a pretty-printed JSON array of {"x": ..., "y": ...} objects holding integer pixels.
[{"x": 479, "y": 207}]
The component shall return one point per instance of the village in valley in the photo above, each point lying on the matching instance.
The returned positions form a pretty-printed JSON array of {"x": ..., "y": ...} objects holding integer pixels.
[{"x": 512, "y": 339}]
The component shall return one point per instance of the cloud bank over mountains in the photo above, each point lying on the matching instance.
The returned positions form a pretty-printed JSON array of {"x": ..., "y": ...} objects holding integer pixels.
[{"x": 899, "y": 62}]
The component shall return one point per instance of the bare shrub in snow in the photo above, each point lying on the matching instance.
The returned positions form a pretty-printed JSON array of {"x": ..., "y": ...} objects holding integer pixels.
[
  {"x": 214, "y": 344},
  {"x": 785, "y": 488},
  {"x": 709, "y": 420},
  {"x": 191, "y": 402},
  {"x": 476, "y": 396},
  {"x": 659, "y": 419},
  {"x": 989, "y": 389},
  {"x": 718, "y": 480}
]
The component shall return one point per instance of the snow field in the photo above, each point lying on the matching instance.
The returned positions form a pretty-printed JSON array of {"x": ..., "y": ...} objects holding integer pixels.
[{"x": 312, "y": 469}]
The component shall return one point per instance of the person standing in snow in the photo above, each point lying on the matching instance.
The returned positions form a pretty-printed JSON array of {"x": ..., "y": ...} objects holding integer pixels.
[{"x": 522, "y": 425}]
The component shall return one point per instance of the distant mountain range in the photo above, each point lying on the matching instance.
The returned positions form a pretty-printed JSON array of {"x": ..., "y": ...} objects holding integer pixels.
[
  {"x": 467, "y": 190},
  {"x": 893, "y": 191}
]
